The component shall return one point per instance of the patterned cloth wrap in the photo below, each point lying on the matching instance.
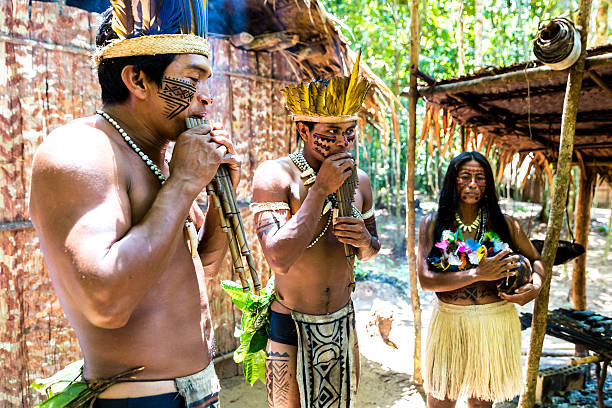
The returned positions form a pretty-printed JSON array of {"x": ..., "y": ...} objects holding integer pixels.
[
  {"x": 200, "y": 390},
  {"x": 67, "y": 388},
  {"x": 326, "y": 372}
]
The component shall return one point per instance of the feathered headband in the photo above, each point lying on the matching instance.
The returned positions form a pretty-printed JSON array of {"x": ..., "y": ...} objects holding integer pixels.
[
  {"x": 333, "y": 100},
  {"x": 150, "y": 27}
]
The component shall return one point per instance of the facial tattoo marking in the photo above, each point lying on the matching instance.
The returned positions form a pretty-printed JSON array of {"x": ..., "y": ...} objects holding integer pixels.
[
  {"x": 177, "y": 93},
  {"x": 466, "y": 175},
  {"x": 323, "y": 143}
]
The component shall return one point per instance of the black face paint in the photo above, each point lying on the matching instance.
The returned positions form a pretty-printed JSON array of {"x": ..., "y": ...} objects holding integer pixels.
[
  {"x": 177, "y": 94},
  {"x": 323, "y": 143}
]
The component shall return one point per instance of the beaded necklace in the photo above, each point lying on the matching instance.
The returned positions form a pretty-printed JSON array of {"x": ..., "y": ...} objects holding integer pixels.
[
  {"x": 473, "y": 225},
  {"x": 189, "y": 225},
  {"x": 482, "y": 225},
  {"x": 309, "y": 175}
]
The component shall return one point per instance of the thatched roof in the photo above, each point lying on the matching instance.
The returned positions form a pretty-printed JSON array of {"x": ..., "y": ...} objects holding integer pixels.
[
  {"x": 304, "y": 32},
  {"x": 519, "y": 109},
  {"x": 311, "y": 40}
]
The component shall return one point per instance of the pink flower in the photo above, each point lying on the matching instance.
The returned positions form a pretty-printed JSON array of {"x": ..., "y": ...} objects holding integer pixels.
[
  {"x": 463, "y": 248},
  {"x": 442, "y": 245}
]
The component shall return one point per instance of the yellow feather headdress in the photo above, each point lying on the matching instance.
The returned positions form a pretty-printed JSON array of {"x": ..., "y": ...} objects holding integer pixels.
[
  {"x": 333, "y": 100},
  {"x": 151, "y": 27}
]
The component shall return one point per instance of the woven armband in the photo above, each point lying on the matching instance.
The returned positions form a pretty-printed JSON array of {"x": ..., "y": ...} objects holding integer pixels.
[
  {"x": 369, "y": 213},
  {"x": 270, "y": 206}
]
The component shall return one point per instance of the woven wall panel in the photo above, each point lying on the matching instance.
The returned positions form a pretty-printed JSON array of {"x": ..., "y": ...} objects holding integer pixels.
[
  {"x": 44, "y": 86},
  {"x": 35, "y": 337}
]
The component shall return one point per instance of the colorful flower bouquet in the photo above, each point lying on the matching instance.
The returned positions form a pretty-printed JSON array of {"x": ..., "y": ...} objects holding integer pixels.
[{"x": 453, "y": 254}]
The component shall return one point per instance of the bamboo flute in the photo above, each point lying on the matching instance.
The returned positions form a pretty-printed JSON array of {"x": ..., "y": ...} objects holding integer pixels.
[
  {"x": 223, "y": 198},
  {"x": 345, "y": 196}
]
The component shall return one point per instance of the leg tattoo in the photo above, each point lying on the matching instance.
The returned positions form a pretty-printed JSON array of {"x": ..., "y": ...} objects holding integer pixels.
[{"x": 277, "y": 378}]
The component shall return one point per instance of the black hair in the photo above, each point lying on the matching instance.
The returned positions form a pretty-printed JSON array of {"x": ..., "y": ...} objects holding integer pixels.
[
  {"x": 109, "y": 70},
  {"x": 309, "y": 125},
  {"x": 449, "y": 199}
]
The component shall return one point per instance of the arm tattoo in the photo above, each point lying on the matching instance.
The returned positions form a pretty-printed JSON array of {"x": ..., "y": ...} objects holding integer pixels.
[
  {"x": 269, "y": 222},
  {"x": 277, "y": 378},
  {"x": 370, "y": 224}
]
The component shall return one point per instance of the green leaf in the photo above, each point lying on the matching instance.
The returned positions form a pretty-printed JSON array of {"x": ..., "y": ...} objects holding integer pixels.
[
  {"x": 60, "y": 380},
  {"x": 254, "y": 367},
  {"x": 240, "y": 298},
  {"x": 65, "y": 397},
  {"x": 259, "y": 340},
  {"x": 242, "y": 350}
]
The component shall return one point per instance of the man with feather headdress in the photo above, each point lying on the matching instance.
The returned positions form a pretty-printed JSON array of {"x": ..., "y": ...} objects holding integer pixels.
[
  {"x": 312, "y": 356},
  {"x": 113, "y": 214}
]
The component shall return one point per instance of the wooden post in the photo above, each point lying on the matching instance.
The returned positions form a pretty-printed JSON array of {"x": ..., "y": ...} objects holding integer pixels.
[
  {"x": 582, "y": 222},
  {"x": 608, "y": 235},
  {"x": 555, "y": 220},
  {"x": 410, "y": 164}
]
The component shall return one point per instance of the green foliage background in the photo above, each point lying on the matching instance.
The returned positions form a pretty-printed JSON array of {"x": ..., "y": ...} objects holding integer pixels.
[{"x": 382, "y": 30}]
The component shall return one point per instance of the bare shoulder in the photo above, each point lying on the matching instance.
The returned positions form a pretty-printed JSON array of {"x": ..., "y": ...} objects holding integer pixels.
[
  {"x": 273, "y": 174},
  {"x": 427, "y": 225},
  {"x": 429, "y": 219},
  {"x": 76, "y": 148},
  {"x": 364, "y": 179},
  {"x": 513, "y": 224},
  {"x": 75, "y": 160}
]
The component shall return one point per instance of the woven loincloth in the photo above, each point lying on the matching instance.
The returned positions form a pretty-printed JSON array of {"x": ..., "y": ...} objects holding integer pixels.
[
  {"x": 200, "y": 390},
  {"x": 474, "y": 351},
  {"x": 326, "y": 372}
]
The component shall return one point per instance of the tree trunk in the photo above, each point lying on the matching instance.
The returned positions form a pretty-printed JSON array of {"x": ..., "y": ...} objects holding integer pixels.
[
  {"x": 385, "y": 158},
  {"x": 561, "y": 181},
  {"x": 478, "y": 23},
  {"x": 543, "y": 217},
  {"x": 583, "y": 221},
  {"x": 459, "y": 35},
  {"x": 601, "y": 23},
  {"x": 397, "y": 161},
  {"x": 608, "y": 235},
  {"x": 410, "y": 165}
]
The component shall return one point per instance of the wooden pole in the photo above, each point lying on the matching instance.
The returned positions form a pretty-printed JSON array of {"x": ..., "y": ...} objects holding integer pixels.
[
  {"x": 478, "y": 23},
  {"x": 582, "y": 221},
  {"x": 555, "y": 220},
  {"x": 410, "y": 164},
  {"x": 608, "y": 235}
]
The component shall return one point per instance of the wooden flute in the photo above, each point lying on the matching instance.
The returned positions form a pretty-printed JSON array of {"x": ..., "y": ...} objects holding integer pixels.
[
  {"x": 221, "y": 191},
  {"x": 345, "y": 197}
]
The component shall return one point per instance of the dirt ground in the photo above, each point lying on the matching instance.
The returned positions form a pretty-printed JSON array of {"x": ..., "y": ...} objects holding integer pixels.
[{"x": 386, "y": 379}]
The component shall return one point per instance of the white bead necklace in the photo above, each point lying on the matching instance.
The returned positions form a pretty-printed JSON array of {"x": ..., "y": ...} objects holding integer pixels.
[
  {"x": 310, "y": 175},
  {"x": 189, "y": 225}
]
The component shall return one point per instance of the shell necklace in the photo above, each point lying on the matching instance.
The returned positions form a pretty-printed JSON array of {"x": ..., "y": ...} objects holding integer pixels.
[
  {"x": 309, "y": 175},
  {"x": 473, "y": 226},
  {"x": 192, "y": 242}
]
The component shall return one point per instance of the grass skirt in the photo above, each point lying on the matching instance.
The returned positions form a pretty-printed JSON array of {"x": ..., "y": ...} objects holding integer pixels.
[{"x": 474, "y": 351}]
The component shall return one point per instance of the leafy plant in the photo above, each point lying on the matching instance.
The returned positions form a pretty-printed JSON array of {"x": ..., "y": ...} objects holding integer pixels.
[
  {"x": 66, "y": 388},
  {"x": 254, "y": 327}
]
